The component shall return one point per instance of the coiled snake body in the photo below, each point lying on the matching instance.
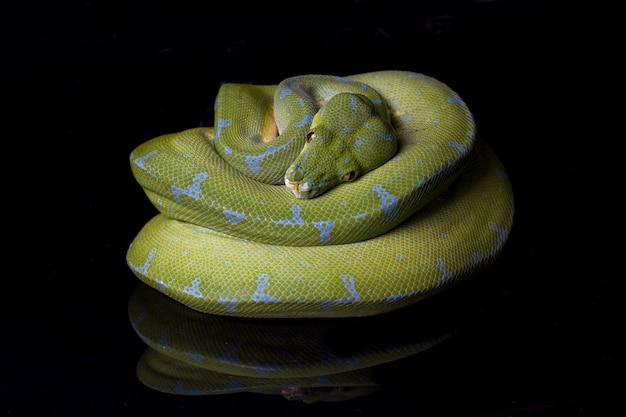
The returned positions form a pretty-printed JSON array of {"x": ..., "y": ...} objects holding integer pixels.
[{"x": 231, "y": 240}]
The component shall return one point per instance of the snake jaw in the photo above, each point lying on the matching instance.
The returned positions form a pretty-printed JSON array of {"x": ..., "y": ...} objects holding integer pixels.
[{"x": 299, "y": 189}]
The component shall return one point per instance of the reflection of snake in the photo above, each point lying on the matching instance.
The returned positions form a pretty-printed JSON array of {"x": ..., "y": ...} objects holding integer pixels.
[
  {"x": 438, "y": 211},
  {"x": 191, "y": 353}
]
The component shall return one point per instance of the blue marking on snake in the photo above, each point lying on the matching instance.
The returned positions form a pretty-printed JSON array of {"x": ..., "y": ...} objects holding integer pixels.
[
  {"x": 139, "y": 161},
  {"x": 502, "y": 234},
  {"x": 221, "y": 123},
  {"x": 446, "y": 276},
  {"x": 348, "y": 282},
  {"x": 324, "y": 227},
  {"x": 295, "y": 217},
  {"x": 398, "y": 297},
  {"x": 388, "y": 202},
  {"x": 386, "y": 136},
  {"x": 143, "y": 269},
  {"x": 462, "y": 148},
  {"x": 306, "y": 121},
  {"x": 456, "y": 99},
  {"x": 285, "y": 92},
  {"x": 193, "y": 191},
  {"x": 230, "y": 305},
  {"x": 254, "y": 161},
  {"x": 353, "y": 103},
  {"x": 459, "y": 100},
  {"x": 233, "y": 217},
  {"x": 259, "y": 295},
  {"x": 194, "y": 288}
]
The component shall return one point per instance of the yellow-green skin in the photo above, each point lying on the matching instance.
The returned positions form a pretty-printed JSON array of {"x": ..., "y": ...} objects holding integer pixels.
[{"x": 437, "y": 212}]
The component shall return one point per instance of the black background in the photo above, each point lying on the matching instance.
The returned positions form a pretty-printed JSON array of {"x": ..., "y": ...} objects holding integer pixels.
[{"x": 85, "y": 82}]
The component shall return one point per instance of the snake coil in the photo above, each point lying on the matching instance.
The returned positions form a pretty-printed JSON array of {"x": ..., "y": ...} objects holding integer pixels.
[{"x": 226, "y": 242}]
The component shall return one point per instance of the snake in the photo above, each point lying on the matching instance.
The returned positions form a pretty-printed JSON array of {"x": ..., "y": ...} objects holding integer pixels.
[{"x": 253, "y": 222}]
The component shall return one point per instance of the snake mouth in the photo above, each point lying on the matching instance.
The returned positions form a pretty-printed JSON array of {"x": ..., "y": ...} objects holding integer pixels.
[{"x": 298, "y": 188}]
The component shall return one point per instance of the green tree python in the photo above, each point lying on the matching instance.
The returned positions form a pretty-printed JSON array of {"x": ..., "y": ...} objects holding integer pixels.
[{"x": 321, "y": 196}]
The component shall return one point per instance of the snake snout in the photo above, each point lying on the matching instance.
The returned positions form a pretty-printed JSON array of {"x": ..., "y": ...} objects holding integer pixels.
[
  {"x": 294, "y": 178},
  {"x": 299, "y": 189}
]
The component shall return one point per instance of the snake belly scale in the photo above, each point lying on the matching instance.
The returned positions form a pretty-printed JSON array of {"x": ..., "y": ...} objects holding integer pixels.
[{"x": 226, "y": 242}]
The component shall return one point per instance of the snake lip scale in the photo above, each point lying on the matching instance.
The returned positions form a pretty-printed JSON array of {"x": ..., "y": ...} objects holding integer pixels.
[
  {"x": 321, "y": 196},
  {"x": 297, "y": 188}
]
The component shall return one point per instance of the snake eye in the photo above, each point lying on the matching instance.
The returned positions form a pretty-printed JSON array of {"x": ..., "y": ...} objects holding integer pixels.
[
  {"x": 310, "y": 135},
  {"x": 350, "y": 176}
]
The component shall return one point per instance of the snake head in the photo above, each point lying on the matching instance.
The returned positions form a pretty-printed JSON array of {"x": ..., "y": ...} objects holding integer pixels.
[
  {"x": 322, "y": 164},
  {"x": 348, "y": 138}
]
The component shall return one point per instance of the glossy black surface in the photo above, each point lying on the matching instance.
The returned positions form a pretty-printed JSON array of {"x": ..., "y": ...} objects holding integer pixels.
[{"x": 539, "y": 334}]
